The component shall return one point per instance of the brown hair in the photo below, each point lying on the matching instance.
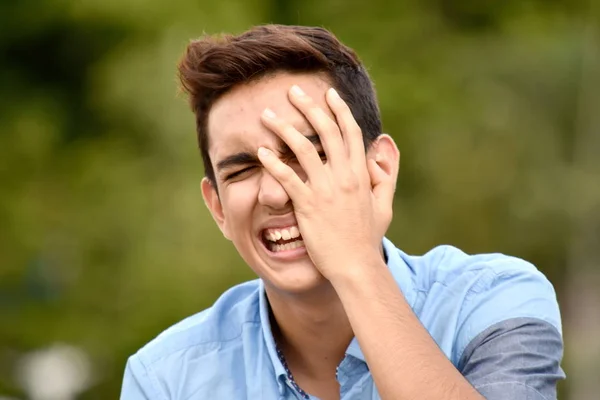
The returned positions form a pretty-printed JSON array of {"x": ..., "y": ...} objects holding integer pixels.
[{"x": 213, "y": 65}]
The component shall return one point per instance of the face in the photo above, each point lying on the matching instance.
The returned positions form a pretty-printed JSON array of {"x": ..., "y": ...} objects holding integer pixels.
[{"x": 252, "y": 208}]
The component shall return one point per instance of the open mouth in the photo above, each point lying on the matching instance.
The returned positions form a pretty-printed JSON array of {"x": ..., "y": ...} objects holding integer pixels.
[{"x": 280, "y": 240}]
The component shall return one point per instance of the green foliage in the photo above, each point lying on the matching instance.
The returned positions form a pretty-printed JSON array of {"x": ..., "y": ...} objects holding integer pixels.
[{"x": 105, "y": 240}]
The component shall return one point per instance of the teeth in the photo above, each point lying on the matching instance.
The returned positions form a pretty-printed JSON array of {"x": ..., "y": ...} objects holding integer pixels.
[
  {"x": 288, "y": 246},
  {"x": 294, "y": 232},
  {"x": 286, "y": 234}
]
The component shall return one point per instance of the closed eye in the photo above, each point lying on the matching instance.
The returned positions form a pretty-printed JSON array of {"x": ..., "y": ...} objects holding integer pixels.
[{"x": 238, "y": 173}]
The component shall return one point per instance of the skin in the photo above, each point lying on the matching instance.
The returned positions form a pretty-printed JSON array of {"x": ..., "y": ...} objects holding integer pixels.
[{"x": 338, "y": 286}]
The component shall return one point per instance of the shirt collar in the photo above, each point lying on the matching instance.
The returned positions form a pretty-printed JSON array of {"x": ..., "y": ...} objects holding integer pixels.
[
  {"x": 265, "y": 323},
  {"x": 401, "y": 273}
]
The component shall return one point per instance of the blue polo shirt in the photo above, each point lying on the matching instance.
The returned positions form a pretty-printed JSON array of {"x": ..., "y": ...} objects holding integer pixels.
[{"x": 495, "y": 317}]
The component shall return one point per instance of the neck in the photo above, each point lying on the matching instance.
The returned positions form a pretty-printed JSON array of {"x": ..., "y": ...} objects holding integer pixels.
[{"x": 312, "y": 331}]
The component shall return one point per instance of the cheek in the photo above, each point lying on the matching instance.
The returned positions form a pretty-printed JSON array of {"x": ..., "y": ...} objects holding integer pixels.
[{"x": 239, "y": 204}]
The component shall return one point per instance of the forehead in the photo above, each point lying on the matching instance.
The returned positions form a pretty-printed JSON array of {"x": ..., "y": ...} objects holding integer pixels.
[{"x": 234, "y": 120}]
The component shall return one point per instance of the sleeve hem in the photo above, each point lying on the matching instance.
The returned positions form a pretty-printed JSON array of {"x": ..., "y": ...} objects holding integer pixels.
[{"x": 527, "y": 388}]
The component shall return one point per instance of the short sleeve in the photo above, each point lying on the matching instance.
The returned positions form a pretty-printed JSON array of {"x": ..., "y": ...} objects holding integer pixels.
[
  {"x": 509, "y": 288},
  {"x": 509, "y": 342},
  {"x": 515, "y": 359},
  {"x": 136, "y": 382}
]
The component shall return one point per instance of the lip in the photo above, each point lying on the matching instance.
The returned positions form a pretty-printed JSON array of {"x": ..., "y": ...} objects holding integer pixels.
[
  {"x": 278, "y": 223},
  {"x": 285, "y": 255}
]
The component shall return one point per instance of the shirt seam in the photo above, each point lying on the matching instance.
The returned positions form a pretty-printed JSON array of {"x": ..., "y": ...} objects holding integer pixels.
[
  {"x": 152, "y": 378},
  {"x": 469, "y": 298},
  {"x": 200, "y": 343},
  {"x": 470, "y": 292},
  {"x": 484, "y": 267},
  {"x": 442, "y": 260},
  {"x": 524, "y": 317},
  {"x": 537, "y": 317},
  {"x": 512, "y": 383}
]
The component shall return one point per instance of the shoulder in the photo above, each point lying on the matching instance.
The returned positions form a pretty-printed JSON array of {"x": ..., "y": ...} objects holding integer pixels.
[
  {"x": 475, "y": 291},
  {"x": 198, "y": 345},
  {"x": 448, "y": 265},
  {"x": 222, "y": 322},
  {"x": 496, "y": 317},
  {"x": 475, "y": 278}
]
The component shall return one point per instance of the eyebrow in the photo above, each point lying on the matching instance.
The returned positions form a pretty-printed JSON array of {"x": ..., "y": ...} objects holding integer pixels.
[
  {"x": 233, "y": 160},
  {"x": 245, "y": 157}
]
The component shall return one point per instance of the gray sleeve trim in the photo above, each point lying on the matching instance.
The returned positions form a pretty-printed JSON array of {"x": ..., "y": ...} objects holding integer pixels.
[
  {"x": 519, "y": 356},
  {"x": 510, "y": 390}
]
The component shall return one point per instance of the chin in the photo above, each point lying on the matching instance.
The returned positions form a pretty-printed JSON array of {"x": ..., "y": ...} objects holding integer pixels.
[
  {"x": 291, "y": 273},
  {"x": 297, "y": 281}
]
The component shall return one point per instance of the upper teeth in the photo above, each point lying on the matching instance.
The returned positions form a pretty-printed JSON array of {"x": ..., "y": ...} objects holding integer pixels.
[{"x": 286, "y": 234}]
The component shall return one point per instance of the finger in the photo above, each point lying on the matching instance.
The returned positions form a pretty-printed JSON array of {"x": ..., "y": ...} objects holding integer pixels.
[
  {"x": 382, "y": 184},
  {"x": 326, "y": 127},
  {"x": 351, "y": 132},
  {"x": 284, "y": 174},
  {"x": 305, "y": 151}
]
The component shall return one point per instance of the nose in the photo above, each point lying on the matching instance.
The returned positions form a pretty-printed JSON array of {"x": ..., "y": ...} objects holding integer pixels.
[{"x": 271, "y": 194}]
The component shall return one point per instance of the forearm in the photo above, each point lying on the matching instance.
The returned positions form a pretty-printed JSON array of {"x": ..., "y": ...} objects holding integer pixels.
[{"x": 404, "y": 360}]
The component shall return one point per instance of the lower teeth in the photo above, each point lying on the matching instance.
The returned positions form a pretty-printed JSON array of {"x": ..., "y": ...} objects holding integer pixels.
[{"x": 287, "y": 246}]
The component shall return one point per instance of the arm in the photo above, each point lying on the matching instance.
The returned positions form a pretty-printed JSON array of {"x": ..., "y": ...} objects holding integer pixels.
[
  {"x": 508, "y": 336},
  {"x": 403, "y": 358},
  {"x": 343, "y": 209},
  {"x": 508, "y": 343}
]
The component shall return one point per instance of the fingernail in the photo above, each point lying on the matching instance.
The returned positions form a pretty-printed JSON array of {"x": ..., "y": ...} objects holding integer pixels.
[
  {"x": 334, "y": 93},
  {"x": 269, "y": 113},
  {"x": 263, "y": 152},
  {"x": 297, "y": 91}
]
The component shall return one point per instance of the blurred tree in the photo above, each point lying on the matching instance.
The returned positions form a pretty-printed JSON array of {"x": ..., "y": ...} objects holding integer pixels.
[
  {"x": 284, "y": 12},
  {"x": 104, "y": 237}
]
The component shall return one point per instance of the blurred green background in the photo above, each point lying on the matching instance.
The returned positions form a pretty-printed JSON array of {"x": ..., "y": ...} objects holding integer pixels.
[{"x": 104, "y": 237}]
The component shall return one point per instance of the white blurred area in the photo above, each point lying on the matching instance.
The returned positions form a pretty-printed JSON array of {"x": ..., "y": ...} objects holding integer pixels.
[{"x": 58, "y": 372}]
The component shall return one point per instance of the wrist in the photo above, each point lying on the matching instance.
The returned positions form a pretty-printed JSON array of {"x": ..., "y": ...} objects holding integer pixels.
[{"x": 358, "y": 272}]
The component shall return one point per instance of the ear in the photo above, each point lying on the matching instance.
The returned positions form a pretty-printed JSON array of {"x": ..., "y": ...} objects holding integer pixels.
[
  {"x": 213, "y": 203},
  {"x": 386, "y": 155}
]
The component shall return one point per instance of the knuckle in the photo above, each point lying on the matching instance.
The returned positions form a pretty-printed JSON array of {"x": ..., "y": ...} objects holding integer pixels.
[
  {"x": 277, "y": 170},
  {"x": 313, "y": 109},
  {"x": 317, "y": 113},
  {"x": 305, "y": 147},
  {"x": 327, "y": 196},
  {"x": 349, "y": 182},
  {"x": 285, "y": 173},
  {"x": 288, "y": 130},
  {"x": 352, "y": 125},
  {"x": 344, "y": 108}
]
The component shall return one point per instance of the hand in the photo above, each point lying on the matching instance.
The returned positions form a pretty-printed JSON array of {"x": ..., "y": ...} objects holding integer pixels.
[{"x": 345, "y": 206}]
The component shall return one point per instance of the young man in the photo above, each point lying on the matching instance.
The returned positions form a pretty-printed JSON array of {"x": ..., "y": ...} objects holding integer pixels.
[{"x": 300, "y": 178}]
